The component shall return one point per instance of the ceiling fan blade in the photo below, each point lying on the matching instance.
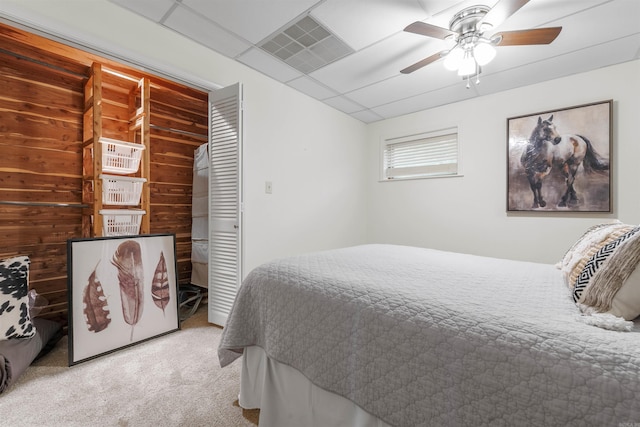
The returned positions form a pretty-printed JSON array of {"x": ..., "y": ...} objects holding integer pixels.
[
  {"x": 502, "y": 10},
  {"x": 426, "y": 61},
  {"x": 527, "y": 37},
  {"x": 429, "y": 30}
]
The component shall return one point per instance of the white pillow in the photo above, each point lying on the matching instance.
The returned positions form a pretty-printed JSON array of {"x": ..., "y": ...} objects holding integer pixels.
[{"x": 626, "y": 303}]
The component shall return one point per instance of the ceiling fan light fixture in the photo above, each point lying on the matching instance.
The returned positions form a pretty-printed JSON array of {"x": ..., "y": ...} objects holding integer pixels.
[
  {"x": 484, "y": 52},
  {"x": 453, "y": 59},
  {"x": 468, "y": 65},
  {"x": 473, "y": 49}
]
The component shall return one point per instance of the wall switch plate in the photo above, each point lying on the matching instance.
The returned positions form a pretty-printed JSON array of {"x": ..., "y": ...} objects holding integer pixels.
[{"x": 268, "y": 187}]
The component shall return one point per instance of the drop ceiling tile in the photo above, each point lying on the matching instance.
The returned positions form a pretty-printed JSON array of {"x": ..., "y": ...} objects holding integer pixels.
[
  {"x": 343, "y": 104},
  {"x": 405, "y": 86},
  {"x": 445, "y": 10},
  {"x": 250, "y": 19},
  {"x": 592, "y": 57},
  {"x": 152, "y": 9},
  {"x": 544, "y": 13},
  {"x": 435, "y": 7},
  {"x": 589, "y": 27},
  {"x": 367, "y": 116},
  {"x": 311, "y": 87},
  {"x": 428, "y": 100},
  {"x": 378, "y": 62},
  {"x": 263, "y": 62},
  {"x": 188, "y": 23},
  {"x": 381, "y": 19},
  {"x": 577, "y": 35}
]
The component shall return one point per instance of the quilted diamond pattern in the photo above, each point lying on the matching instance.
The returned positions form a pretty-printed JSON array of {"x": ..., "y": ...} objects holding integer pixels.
[{"x": 420, "y": 337}]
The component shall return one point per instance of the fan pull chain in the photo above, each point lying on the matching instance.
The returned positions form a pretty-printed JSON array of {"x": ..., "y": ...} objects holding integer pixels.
[{"x": 477, "y": 82}]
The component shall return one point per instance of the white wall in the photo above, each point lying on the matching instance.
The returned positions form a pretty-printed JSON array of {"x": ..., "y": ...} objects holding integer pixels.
[
  {"x": 468, "y": 214},
  {"x": 313, "y": 154},
  {"x": 314, "y": 157}
]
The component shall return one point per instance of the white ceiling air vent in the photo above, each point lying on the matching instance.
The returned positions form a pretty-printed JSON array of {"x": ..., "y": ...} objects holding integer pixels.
[{"x": 306, "y": 45}]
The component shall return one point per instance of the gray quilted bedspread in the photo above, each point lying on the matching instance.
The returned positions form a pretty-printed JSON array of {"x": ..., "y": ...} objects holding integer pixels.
[{"x": 420, "y": 337}]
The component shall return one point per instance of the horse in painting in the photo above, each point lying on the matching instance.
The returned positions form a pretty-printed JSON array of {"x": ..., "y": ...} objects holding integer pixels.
[{"x": 548, "y": 149}]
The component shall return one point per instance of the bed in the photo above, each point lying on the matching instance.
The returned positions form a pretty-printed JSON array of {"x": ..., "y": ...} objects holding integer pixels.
[{"x": 379, "y": 335}]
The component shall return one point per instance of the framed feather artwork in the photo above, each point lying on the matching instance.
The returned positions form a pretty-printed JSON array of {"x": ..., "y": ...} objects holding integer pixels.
[{"x": 122, "y": 291}]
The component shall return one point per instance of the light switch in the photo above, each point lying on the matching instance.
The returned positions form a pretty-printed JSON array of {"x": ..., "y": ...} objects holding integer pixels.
[{"x": 268, "y": 187}]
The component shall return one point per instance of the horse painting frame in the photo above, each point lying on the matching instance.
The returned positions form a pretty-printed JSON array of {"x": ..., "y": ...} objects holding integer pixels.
[{"x": 560, "y": 160}]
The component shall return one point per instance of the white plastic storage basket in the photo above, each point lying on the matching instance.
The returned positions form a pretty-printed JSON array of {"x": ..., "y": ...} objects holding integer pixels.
[
  {"x": 121, "y": 190},
  {"x": 121, "y": 222},
  {"x": 120, "y": 157}
]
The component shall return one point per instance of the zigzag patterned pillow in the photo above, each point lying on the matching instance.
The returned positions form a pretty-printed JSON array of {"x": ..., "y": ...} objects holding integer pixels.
[
  {"x": 15, "y": 321},
  {"x": 609, "y": 283},
  {"x": 586, "y": 246}
]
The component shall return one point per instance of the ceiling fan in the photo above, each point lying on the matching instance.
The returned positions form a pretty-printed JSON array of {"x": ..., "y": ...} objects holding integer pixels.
[{"x": 472, "y": 48}]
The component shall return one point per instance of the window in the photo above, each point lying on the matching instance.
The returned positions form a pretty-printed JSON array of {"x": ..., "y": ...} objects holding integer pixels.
[{"x": 423, "y": 155}]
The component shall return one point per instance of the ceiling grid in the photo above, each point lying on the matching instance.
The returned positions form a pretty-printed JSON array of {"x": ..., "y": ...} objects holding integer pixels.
[{"x": 349, "y": 53}]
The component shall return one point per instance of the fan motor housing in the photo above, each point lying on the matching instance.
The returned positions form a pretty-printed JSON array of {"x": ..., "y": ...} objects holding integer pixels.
[{"x": 466, "y": 21}]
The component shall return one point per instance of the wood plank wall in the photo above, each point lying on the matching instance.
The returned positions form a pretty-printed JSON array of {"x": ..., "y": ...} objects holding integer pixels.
[{"x": 41, "y": 106}]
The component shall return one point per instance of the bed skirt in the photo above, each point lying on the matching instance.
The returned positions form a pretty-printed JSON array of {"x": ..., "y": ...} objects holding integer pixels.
[{"x": 286, "y": 398}]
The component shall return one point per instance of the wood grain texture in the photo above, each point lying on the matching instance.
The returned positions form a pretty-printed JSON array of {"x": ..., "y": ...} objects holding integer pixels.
[{"x": 41, "y": 133}]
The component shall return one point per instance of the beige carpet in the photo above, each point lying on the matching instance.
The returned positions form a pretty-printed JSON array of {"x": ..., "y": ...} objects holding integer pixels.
[{"x": 173, "y": 380}]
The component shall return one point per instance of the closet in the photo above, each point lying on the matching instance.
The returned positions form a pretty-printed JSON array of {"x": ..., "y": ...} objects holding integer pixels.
[{"x": 47, "y": 172}]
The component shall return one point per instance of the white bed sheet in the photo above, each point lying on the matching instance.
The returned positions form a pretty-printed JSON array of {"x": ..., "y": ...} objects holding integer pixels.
[{"x": 288, "y": 399}]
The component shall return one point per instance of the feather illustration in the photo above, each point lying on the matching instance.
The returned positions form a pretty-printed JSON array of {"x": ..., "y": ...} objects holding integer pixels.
[
  {"x": 128, "y": 260},
  {"x": 160, "y": 285},
  {"x": 95, "y": 310}
]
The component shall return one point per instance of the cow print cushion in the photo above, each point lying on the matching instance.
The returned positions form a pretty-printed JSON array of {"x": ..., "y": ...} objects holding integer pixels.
[{"x": 15, "y": 321}]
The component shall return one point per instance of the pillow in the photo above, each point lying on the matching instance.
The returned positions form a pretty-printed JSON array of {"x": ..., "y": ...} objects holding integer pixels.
[
  {"x": 15, "y": 321},
  {"x": 610, "y": 281},
  {"x": 586, "y": 246},
  {"x": 626, "y": 301},
  {"x": 581, "y": 240},
  {"x": 578, "y": 247},
  {"x": 17, "y": 355}
]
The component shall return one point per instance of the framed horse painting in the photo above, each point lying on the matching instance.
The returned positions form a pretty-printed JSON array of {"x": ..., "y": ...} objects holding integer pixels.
[{"x": 560, "y": 160}]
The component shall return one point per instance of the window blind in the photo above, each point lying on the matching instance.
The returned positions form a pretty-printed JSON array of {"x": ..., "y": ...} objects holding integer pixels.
[{"x": 423, "y": 155}]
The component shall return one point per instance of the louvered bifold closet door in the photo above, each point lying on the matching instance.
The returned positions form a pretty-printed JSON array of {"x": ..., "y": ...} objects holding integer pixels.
[{"x": 225, "y": 200}]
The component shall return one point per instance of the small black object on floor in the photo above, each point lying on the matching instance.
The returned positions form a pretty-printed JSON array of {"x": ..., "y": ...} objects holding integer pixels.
[{"x": 189, "y": 299}]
